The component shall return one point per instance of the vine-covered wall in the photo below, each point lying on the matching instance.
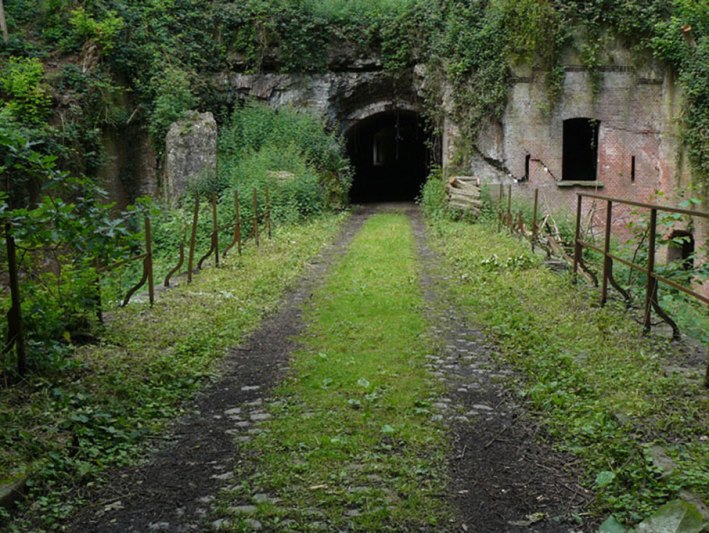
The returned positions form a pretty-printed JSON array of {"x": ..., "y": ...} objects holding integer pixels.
[{"x": 73, "y": 72}]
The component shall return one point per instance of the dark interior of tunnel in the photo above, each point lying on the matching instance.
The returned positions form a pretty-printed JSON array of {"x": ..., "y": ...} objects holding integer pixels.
[{"x": 390, "y": 155}]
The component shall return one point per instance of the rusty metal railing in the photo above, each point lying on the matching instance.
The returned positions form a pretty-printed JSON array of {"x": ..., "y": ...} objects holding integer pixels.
[
  {"x": 653, "y": 278},
  {"x": 147, "y": 276},
  {"x": 506, "y": 218},
  {"x": 237, "y": 239},
  {"x": 16, "y": 338}
]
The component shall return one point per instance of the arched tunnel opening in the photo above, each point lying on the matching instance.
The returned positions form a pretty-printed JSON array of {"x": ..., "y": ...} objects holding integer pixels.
[{"x": 391, "y": 157}]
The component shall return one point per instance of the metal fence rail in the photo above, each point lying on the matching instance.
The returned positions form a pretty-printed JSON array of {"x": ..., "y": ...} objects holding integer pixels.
[
  {"x": 653, "y": 278},
  {"x": 515, "y": 223},
  {"x": 539, "y": 237},
  {"x": 16, "y": 334}
]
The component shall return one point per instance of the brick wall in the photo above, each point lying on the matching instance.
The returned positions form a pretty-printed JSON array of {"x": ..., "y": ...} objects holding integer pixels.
[{"x": 638, "y": 110}]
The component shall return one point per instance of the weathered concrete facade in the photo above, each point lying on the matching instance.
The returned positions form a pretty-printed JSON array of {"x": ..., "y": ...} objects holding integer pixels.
[
  {"x": 344, "y": 97},
  {"x": 190, "y": 153},
  {"x": 636, "y": 110}
]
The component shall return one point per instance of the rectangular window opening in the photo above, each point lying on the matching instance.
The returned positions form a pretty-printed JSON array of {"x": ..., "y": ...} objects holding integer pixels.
[{"x": 580, "y": 149}]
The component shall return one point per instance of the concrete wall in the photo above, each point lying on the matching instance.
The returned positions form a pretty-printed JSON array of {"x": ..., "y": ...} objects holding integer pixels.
[
  {"x": 638, "y": 105},
  {"x": 342, "y": 97},
  {"x": 130, "y": 166}
]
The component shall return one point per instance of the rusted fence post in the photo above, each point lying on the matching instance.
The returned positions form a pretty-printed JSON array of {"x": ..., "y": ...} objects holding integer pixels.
[
  {"x": 180, "y": 262},
  {"x": 606, "y": 250},
  {"x": 577, "y": 239},
  {"x": 237, "y": 225},
  {"x": 16, "y": 333},
  {"x": 215, "y": 226},
  {"x": 509, "y": 207},
  {"x": 193, "y": 239},
  {"x": 147, "y": 276},
  {"x": 214, "y": 236},
  {"x": 520, "y": 223},
  {"x": 255, "y": 230},
  {"x": 236, "y": 241},
  {"x": 535, "y": 218},
  {"x": 149, "y": 260},
  {"x": 268, "y": 213},
  {"x": 650, "y": 286},
  {"x": 499, "y": 208}
]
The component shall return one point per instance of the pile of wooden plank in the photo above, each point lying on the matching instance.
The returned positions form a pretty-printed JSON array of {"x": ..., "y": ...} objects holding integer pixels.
[{"x": 464, "y": 194}]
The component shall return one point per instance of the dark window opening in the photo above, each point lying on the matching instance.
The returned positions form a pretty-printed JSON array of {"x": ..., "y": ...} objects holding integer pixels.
[
  {"x": 632, "y": 169},
  {"x": 580, "y": 157},
  {"x": 390, "y": 155},
  {"x": 681, "y": 249},
  {"x": 527, "y": 160}
]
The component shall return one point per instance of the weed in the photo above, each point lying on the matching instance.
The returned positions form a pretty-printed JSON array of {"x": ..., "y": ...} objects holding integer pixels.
[
  {"x": 350, "y": 442},
  {"x": 67, "y": 428},
  {"x": 603, "y": 389}
]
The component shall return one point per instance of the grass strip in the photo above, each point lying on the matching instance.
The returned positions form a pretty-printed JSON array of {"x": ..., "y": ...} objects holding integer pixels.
[
  {"x": 63, "y": 430},
  {"x": 608, "y": 393},
  {"x": 351, "y": 445}
]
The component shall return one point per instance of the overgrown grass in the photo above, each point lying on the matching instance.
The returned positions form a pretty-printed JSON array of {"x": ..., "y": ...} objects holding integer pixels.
[
  {"x": 64, "y": 430},
  {"x": 260, "y": 143},
  {"x": 605, "y": 391},
  {"x": 351, "y": 445}
]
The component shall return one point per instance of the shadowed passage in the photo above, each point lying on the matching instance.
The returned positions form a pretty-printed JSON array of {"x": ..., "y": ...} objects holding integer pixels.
[{"x": 391, "y": 156}]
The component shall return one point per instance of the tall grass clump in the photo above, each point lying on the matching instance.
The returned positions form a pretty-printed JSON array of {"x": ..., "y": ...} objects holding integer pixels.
[{"x": 289, "y": 151}]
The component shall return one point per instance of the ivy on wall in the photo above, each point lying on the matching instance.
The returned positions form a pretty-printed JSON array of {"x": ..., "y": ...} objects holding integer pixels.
[{"x": 166, "y": 52}]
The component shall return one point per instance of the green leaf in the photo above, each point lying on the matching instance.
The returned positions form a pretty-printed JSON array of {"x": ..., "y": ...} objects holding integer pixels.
[
  {"x": 611, "y": 525},
  {"x": 676, "y": 516},
  {"x": 604, "y": 478},
  {"x": 386, "y": 428}
]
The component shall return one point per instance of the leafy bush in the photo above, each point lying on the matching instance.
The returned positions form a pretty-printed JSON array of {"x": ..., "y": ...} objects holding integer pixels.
[
  {"x": 62, "y": 241},
  {"x": 172, "y": 97},
  {"x": 294, "y": 184},
  {"x": 433, "y": 197},
  {"x": 296, "y": 35},
  {"x": 23, "y": 84},
  {"x": 86, "y": 28},
  {"x": 63, "y": 228},
  {"x": 260, "y": 141}
]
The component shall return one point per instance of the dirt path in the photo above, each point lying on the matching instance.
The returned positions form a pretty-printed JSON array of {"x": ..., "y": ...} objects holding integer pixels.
[
  {"x": 503, "y": 478},
  {"x": 172, "y": 491}
]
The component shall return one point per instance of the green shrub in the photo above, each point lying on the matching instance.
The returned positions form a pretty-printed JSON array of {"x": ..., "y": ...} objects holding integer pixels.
[
  {"x": 23, "y": 84},
  {"x": 172, "y": 97},
  {"x": 295, "y": 187},
  {"x": 85, "y": 28},
  {"x": 59, "y": 283},
  {"x": 259, "y": 140},
  {"x": 433, "y": 197}
]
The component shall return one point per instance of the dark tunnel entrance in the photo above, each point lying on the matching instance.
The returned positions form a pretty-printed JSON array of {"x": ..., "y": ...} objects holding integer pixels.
[{"x": 390, "y": 155}]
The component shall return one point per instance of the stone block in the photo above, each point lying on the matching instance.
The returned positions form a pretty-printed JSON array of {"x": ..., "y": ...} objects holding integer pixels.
[{"x": 191, "y": 153}]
